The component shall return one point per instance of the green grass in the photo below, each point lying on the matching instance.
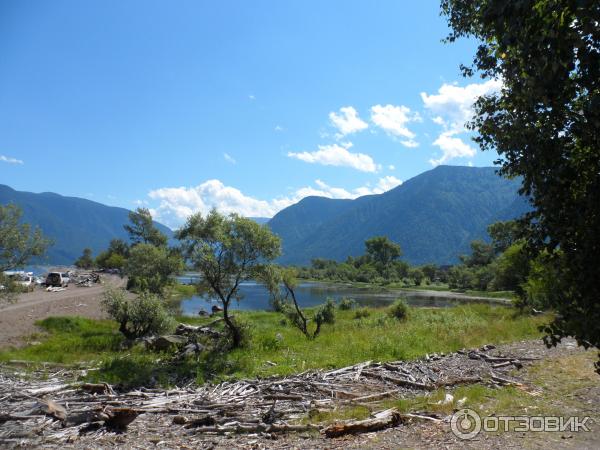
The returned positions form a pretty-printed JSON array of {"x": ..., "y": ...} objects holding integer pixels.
[
  {"x": 68, "y": 340},
  {"x": 377, "y": 337}
]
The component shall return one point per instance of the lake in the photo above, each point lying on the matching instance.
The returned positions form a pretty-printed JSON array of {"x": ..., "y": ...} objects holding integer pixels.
[{"x": 310, "y": 294}]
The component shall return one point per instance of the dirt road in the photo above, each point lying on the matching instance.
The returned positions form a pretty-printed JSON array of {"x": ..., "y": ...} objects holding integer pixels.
[{"x": 17, "y": 320}]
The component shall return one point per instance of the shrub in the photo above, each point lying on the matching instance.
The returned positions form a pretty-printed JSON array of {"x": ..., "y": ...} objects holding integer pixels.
[
  {"x": 326, "y": 313},
  {"x": 347, "y": 304},
  {"x": 399, "y": 310},
  {"x": 137, "y": 317},
  {"x": 362, "y": 313}
]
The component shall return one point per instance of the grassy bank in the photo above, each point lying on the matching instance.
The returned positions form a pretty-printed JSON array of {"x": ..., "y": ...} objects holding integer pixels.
[
  {"x": 276, "y": 348},
  {"x": 438, "y": 287}
]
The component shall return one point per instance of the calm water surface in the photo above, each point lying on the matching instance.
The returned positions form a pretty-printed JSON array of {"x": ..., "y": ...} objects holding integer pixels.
[{"x": 309, "y": 294}]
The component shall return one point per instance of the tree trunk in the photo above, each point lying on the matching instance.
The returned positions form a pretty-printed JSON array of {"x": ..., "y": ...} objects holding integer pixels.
[{"x": 235, "y": 332}]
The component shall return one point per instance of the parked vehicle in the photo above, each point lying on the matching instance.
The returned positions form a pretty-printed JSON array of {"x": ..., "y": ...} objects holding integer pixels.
[
  {"x": 28, "y": 282},
  {"x": 56, "y": 279},
  {"x": 20, "y": 278}
]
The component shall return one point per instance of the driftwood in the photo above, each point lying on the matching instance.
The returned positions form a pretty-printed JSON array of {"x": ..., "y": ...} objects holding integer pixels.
[
  {"x": 385, "y": 419},
  {"x": 267, "y": 405}
]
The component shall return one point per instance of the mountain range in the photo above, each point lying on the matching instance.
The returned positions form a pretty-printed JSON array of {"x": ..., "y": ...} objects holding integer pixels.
[
  {"x": 72, "y": 223},
  {"x": 433, "y": 216}
]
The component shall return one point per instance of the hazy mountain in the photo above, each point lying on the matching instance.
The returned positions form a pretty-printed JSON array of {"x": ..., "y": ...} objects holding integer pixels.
[
  {"x": 433, "y": 216},
  {"x": 73, "y": 223}
]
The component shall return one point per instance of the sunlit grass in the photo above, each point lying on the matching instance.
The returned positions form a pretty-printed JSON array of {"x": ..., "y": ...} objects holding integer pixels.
[{"x": 275, "y": 347}]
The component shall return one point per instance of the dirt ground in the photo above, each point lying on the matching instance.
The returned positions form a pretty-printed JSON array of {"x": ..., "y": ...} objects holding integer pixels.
[
  {"x": 17, "y": 320},
  {"x": 560, "y": 383}
]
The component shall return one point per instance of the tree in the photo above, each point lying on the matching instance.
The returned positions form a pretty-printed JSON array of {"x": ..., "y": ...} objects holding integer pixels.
[
  {"x": 151, "y": 268},
  {"x": 512, "y": 269},
  {"x": 382, "y": 251},
  {"x": 545, "y": 124},
  {"x": 142, "y": 229},
  {"x": 118, "y": 247},
  {"x": 18, "y": 242},
  {"x": 504, "y": 234},
  {"x": 227, "y": 250},
  {"x": 481, "y": 254},
  {"x": 137, "y": 317},
  {"x": 85, "y": 261},
  {"x": 284, "y": 300}
]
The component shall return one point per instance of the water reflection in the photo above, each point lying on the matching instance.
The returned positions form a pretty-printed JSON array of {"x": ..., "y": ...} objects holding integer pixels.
[{"x": 310, "y": 294}]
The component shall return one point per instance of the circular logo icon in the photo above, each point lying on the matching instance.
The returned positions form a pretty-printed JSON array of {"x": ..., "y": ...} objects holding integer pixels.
[{"x": 465, "y": 424}]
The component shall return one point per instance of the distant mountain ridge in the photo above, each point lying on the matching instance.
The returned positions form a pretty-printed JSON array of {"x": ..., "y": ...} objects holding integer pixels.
[
  {"x": 72, "y": 223},
  {"x": 433, "y": 216}
]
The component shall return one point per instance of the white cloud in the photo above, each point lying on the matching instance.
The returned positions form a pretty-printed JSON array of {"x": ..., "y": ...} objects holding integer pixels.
[
  {"x": 251, "y": 97},
  {"x": 175, "y": 205},
  {"x": 452, "y": 108},
  {"x": 9, "y": 160},
  {"x": 386, "y": 183},
  {"x": 278, "y": 128},
  {"x": 394, "y": 120},
  {"x": 337, "y": 155},
  {"x": 392, "y": 167},
  {"x": 453, "y": 105},
  {"x": 229, "y": 158},
  {"x": 452, "y": 147},
  {"x": 347, "y": 122}
]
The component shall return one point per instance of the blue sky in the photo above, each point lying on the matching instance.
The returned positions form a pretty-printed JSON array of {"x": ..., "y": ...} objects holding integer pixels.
[{"x": 246, "y": 106}]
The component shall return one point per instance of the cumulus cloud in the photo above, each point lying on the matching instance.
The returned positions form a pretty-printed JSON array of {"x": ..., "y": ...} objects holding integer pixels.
[
  {"x": 347, "y": 122},
  {"x": 9, "y": 160},
  {"x": 386, "y": 183},
  {"x": 394, "y": 120},
  {"x": 452, "y": 147},
  {"x": 337, "y": 155},
  {"x": 452, "y": 108},
  {"x": 453, "y": 105},
  {"x": 229, "y": 158},
  {"x": 175, "y": 205}
]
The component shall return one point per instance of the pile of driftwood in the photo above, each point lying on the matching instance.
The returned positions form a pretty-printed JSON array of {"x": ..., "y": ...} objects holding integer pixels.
[
  {"x": 85, "y": 279},
  {"x": 52, "y": 409}
]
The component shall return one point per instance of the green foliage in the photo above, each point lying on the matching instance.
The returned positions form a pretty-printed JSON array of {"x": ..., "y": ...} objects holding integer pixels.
[
  {"x": 227, "y": 250},
  {"x": 346, "y": 304},
  {"x": 18, "y": 243},
  {"x": 137, "y": 317},
  {"x": 142, "y": 230},
  {"x": 151, "y": 268},
  {"x": 362, "y": 313},
  {"x": 382, "y": 251},
  {"x": 417, "y": 275},
  {"x": 545, "y": 125},
  {"x": 85, "y": 261},
  {"x": 326, "y": 313},
  {"x": 504, "y": 234},
  {"x": 541, "y": 290},
  {"x": 399, "y": 310},
  {"x": 482, "y": 254},
  {"x": 115, "y": 256},
  {"x": 512, "y": 269},
  {"x": 347, "y": 342},
  {"x": 281, "y": 283}
]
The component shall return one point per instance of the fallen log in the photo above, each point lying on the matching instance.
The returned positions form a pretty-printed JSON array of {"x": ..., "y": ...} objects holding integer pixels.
[{"x": 383, "y": 420}]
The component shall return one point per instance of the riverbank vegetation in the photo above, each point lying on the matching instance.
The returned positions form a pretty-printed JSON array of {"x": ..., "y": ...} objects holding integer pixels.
[{"x": 274, "y": 346}]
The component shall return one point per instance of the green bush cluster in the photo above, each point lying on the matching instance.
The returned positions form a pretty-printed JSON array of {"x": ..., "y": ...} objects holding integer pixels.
[{"x": 399, "y": 310}]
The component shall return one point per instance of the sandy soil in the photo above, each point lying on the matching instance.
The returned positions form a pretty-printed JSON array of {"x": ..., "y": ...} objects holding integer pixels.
[{"x": 17, "y": 320}]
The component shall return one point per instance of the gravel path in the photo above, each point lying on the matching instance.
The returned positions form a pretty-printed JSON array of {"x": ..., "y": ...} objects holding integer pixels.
[{"x": 17, "y": 320}]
